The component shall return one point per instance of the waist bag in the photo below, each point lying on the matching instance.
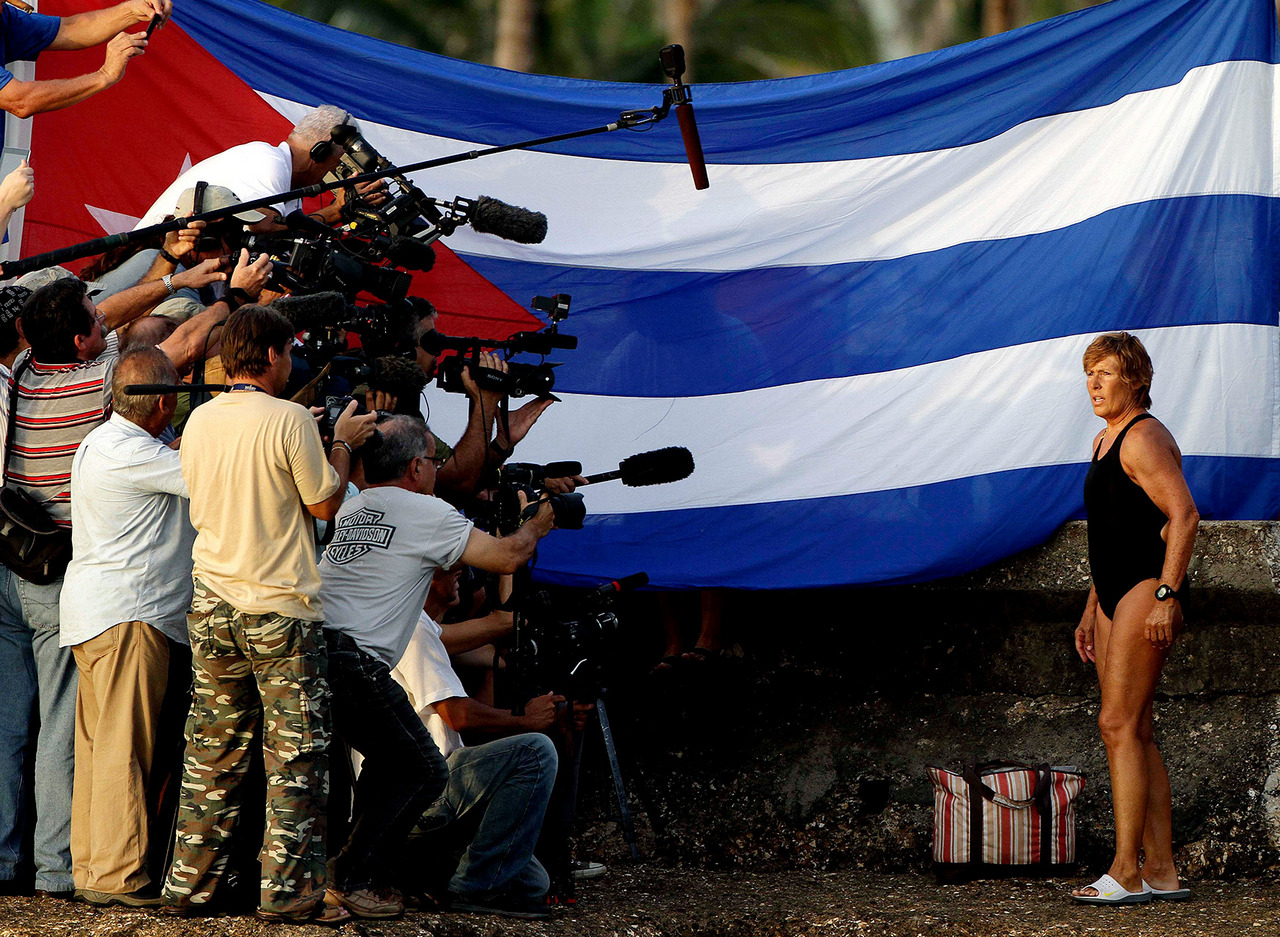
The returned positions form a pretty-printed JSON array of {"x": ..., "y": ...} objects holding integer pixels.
[
  {"x": 31, "y": 544},
  {"x": 1004, "y": 814}
]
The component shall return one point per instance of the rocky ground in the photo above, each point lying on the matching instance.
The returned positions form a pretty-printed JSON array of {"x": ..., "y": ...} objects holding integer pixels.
[{"x": 648, "y": 901}]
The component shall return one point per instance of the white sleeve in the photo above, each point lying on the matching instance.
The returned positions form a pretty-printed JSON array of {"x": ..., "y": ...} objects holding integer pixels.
[{"x": 424, "y": 669}]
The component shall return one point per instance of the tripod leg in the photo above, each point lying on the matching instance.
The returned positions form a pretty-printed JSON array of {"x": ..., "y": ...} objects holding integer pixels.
[{"x": 624, "y": 812}]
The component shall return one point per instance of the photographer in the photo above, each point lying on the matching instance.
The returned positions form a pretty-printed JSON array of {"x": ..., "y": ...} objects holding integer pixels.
[
  {"x": 182, "y": 250},
  {"x": 460, "y": 476},
  {"x": 498, "y": 791},
  {"x": 388, "y": 542},
  {"x": 257, "y": 475}
]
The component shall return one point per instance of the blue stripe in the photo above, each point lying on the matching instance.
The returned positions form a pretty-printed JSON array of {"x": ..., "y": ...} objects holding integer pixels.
[
  {"x": 901, "y": 536},
  {"x": 942, "y": 99},
  {"x": 1186, "y": 261}
]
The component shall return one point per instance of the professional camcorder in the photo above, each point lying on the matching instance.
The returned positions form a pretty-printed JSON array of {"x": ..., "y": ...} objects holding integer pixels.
[
  {"x": 566, "y": 651},
  {"x": 520, "y": 379},
  {"x": 502, "y": 512}
]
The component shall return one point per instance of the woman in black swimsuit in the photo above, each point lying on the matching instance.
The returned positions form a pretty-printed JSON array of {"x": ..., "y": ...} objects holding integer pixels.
[{"x": 1142, "y": 528}]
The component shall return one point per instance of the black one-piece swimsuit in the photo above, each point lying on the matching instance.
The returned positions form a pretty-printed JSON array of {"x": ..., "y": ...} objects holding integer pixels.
[{"x": 1125, "y": 546}]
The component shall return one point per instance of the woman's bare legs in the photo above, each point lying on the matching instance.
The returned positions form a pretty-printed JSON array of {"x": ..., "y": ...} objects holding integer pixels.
[{"x": 1128, "y": 670}]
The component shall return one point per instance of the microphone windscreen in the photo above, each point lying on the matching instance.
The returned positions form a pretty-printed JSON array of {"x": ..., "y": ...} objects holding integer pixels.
[
  {"x": 411, "y": 254},
  {"x": 311, "y": 309},
  {"x": 299, "y": 220},
  {"x": 657, "y": 467},
  {"x": 561, "y": 469},
  {"x": 509, "y": 222},
  {"x": 433, "y": 343},
  {"x": 398, "y": 376}
]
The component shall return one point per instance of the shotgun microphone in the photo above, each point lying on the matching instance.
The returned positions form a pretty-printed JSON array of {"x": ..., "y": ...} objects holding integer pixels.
[
  {"x": 625, "y": 584},
  {"x": 672, "y": 58}
]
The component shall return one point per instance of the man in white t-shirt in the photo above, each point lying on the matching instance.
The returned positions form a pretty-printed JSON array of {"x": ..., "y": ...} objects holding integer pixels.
[
  {"x": 257, "y": 170},
  {"x": 387, "y": 543},
  {"x": 498, "y": 791}
]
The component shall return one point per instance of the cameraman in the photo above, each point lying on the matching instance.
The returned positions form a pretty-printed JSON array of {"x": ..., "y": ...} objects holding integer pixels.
[
  {"x": 459, "y": 477},
  {"x": 257, "y": 170},
  {"x": 376, "y": 572},
  {"x": 257, "y": 474}
]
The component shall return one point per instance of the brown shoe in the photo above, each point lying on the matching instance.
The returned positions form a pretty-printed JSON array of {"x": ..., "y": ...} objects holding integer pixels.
[
  {"x": 370, "y": 902},
  {"x": 103, "y": 899}
]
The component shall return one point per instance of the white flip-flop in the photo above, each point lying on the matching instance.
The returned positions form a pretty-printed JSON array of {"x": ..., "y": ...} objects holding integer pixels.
[
  {"x": 1167, "y": 894},
  {"x": 1112, "y": 892}
]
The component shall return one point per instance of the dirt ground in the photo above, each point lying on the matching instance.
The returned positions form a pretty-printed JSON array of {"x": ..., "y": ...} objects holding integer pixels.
[{"x": 648, "y": 901}]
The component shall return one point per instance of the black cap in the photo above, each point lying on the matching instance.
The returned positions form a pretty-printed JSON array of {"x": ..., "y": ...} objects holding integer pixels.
[{"x": 12, "y": 299}]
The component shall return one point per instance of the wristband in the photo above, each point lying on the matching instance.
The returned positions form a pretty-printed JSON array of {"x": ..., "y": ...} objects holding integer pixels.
[
  {"x": 503, "y": 453},
  {"x": 345, "y": 445},
  {"x": 168, "y": 257}
]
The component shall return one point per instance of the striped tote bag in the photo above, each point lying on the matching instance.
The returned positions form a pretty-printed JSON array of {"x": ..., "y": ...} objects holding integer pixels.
[{"x": 1004, "y": 814}]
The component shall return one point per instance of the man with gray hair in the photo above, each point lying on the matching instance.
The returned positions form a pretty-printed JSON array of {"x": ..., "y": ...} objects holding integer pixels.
[
  {"x": 256, "y": 170},
  {"x": 388, "y": 542},
  {"x": 124, "y": 604}
]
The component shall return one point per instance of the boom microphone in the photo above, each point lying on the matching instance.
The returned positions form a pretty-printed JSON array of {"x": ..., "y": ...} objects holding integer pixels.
[
  {"x": 651, "y": 468},
  {"x": 509, "y": 222},
  {"x": 308, "y": 311},
  {"x": 672, "y": 58}
]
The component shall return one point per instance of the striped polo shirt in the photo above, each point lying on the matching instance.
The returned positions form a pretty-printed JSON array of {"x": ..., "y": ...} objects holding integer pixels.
[{"x": 58, "y": 404}]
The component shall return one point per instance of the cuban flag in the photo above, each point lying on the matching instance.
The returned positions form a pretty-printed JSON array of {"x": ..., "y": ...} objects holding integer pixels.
[{"x": 868, "y": 330}]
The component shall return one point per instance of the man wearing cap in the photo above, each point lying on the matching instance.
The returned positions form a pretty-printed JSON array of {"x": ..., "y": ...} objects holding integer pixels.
[
  {"x": 11, "y": 341},
  {"x": 63, "y": 390},
  {"x": 184, "y": 249},
  {"x": 23, "y": 36},
  {"x": 257, "y": 170}
]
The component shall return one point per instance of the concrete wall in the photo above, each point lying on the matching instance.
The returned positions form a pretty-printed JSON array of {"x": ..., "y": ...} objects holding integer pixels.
[{"x": 806, "y": 748}]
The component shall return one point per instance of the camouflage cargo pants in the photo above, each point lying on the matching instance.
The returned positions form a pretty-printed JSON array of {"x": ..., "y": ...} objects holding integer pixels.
[{"x": 252, "y": 670}]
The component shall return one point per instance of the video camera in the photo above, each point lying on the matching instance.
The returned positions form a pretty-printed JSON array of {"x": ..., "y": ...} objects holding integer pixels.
[
  {"x": 409, "y": 212},
  {"x": 502, "y": 512},
  {"x": 565, "y": 653},
  {"x": 520, "y": 379}
]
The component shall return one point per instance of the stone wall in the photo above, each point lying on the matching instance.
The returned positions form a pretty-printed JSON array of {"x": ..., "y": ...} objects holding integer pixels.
[{"x": 806, "y": 747}]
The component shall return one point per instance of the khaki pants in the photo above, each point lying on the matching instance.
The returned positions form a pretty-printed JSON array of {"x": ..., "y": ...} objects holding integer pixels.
[{"x": 123, "y": 673}]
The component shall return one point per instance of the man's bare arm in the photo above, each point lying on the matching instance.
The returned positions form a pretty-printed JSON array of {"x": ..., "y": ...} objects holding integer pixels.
[
  {"x": 84, "y": 30},
  {"x": 24, "y": 98}
]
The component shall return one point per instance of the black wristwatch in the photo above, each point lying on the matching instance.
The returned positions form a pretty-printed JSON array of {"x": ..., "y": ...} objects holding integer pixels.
[{"x": 1165, "y": 592}]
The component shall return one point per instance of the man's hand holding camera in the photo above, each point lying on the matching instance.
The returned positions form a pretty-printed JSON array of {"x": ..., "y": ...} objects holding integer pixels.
[
  {"x": 251, "y": 277},
  {"x": 351, "y": 430}
]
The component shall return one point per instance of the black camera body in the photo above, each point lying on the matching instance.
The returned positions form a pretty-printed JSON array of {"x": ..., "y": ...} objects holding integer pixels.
[
  {"x": 520, "y": 380},
  {"x": 302, "y": 265},
  {"x": 566, "y": 654},
  {"x": 506, "y": 514},
  {"x": 333, "y": 407}
]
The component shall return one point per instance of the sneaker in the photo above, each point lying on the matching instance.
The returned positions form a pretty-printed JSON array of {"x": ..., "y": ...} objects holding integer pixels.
[
  {"x": 104, "y": 899},
  {"x": 370, "y": 902},
  {"x": 583, "y": 870},
  {"x": 503, "y": 904}
]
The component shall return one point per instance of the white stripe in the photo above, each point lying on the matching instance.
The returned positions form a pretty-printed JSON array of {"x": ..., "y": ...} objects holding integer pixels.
[
  {"x": 1209, "y": 134},
  {"x": 993, "y": 411}
]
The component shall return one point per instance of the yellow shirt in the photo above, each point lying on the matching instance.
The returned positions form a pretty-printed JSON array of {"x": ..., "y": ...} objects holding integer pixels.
[{"x": 252, "y": 463}]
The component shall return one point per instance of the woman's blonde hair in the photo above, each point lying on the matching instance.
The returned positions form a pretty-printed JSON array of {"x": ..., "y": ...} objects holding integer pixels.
[{"x": 1135, "y": 363}]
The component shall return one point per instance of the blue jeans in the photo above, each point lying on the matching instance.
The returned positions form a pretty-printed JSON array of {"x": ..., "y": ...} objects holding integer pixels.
[
  {"x": 33, "y": 667},
  {"x": 508, "y": 782},
  {"x": 403, "y": 771}
]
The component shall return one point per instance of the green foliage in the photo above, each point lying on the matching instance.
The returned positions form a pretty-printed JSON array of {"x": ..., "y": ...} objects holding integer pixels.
[{"x": 617, "y": 40}]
